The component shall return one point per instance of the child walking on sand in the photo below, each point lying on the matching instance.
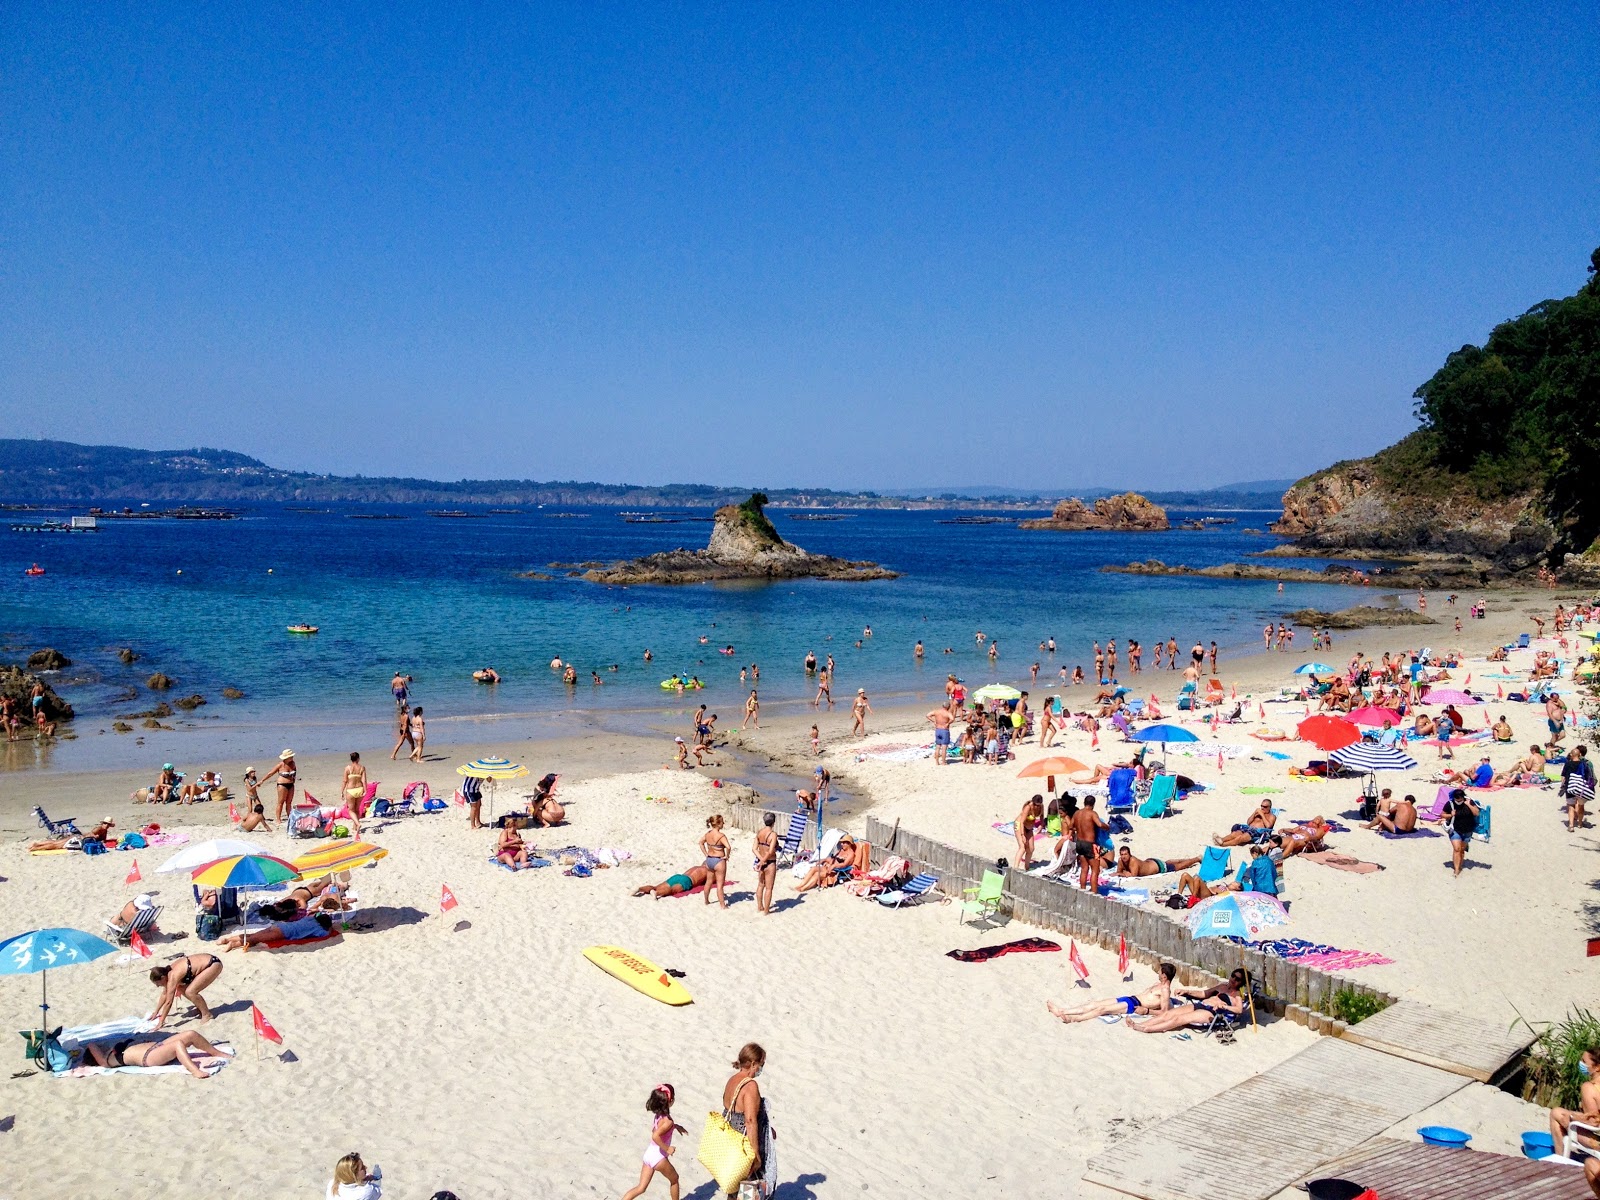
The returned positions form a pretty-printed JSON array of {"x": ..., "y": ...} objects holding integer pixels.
[{"x": 657, "y": 1153}]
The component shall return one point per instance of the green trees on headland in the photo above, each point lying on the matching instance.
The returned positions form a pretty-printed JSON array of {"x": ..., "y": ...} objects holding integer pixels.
[{"x": 1522, "y": 412}]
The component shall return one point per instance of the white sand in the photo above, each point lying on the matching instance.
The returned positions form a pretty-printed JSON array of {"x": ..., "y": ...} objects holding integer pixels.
[{"x": 494, "y": 1060}]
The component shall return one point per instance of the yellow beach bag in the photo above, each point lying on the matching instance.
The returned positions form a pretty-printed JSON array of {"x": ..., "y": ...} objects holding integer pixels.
[{"x": 724, "y": 1151}]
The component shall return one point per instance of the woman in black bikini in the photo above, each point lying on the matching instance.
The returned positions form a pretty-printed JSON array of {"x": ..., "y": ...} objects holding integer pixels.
[
  {"x": 186, "y": 977},
  {"x": 285, "y": 772},
  {"x": 714, "y": 845},
  {"x": 176, "y": 1048},
  {"x": 1192, "y": 1009},
  {"x": 766, "y": 863}
]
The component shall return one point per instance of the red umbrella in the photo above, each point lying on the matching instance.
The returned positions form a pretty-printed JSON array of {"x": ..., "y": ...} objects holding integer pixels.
[
  {"x": 1328, "y": 733},
  {"x": 1374, "y": 714}
]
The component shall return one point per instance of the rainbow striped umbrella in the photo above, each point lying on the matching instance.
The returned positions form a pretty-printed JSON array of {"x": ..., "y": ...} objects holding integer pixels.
[
  {"x": 492, "y": 768},
  {"x": 246, "y": 871},
  {"x": 340, "y": 856}
]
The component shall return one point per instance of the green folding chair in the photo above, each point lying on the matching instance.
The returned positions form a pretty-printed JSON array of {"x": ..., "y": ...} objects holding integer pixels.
[{"x": 984, "y": 901}]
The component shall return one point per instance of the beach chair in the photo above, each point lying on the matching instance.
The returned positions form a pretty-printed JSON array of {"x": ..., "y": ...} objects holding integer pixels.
[
  {"x": 1485, "y": 811},
  {"x": 915, "y": 888},
  {"x": 1119, "y": 790},
  {"x": 1214, "y": 692},
  {"x": 305, "y": 820},
  {"x": 1215, "y": 862},
  {"x": 1186, "y": 697},
  {"x": 57, "y": 828},
  {"x": 144, "y": 920},
  {"x": 789, "y": 846},
  {"x": 1163, "y": 790},
  {"x": 984, "y": 901},
  {"x": 1571, "y": 1148},
  {"x": 1522, "y": 641},
  {"x": 364, "y": 805}
]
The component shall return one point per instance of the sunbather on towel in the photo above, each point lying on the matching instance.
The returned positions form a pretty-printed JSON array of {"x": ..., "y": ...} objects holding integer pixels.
[
  {"x": 1198, "y": 1008},
  {"x": 285, "y": 927},
  {"x": 1395, "y": 816},
  {"x": 177, "y": 1048},
  {"x": 1479, "y": 776},
  {"x": 684, "y": 881},
  {"x": 1528, "y": 769},
  {"x": 1257, "y": 828},
  {"x": 1152, "y": 1000},
  {"x": 98, "y": 834},
  {"x": 1297, "y": 839},
  {"x": 1130, "y": 865}
]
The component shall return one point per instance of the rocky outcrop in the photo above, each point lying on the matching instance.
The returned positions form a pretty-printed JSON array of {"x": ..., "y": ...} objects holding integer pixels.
[
  {"x": 1365, "y": 506},
  {"x": 1362, "y": 616},
  {"x": 190, "y": 703},
  {"x": 18, "y": 684},
  {"x": 127, "y": 655},
  {"x": 743, "y": 545},
  {"x": 1127, "y": 513},
  {"x": 232, "y": 693},
  {"x": 159, "y": 682},
  {"x": 48, "y": 660},
  {"x": 1430, "y": 575}
]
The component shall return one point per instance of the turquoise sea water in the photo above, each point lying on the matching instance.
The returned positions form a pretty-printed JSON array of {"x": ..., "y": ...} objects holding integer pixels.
[{"x": 208, "y": 603}]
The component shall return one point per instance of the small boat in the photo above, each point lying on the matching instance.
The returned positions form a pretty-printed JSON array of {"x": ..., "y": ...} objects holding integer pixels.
[
  {"x": 303, "y": 628},
  {"x": 36, "y": 569}
]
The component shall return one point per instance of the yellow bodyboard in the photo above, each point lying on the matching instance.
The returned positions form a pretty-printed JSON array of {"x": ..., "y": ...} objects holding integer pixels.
[{"x": 638, "y": 973}]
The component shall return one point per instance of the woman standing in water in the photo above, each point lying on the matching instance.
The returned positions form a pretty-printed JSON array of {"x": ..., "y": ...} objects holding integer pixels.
[
  {"x": 746, "y": 1111},
  {"x": 285, "y": 772}
]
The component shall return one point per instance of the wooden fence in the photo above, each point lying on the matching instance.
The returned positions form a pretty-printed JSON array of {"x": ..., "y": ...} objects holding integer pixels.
[{"x": 1302, "y": 993}]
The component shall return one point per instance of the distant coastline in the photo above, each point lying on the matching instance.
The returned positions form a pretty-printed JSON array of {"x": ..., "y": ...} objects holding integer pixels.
[{"x": 42, "y": 473}]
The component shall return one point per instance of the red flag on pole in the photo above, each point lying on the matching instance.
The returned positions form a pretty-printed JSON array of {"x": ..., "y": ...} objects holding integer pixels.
[
  {"x": 139, "y": 947},
  {"x": 133, "y": 876},
  {"x": 1076, "y": 960},
  {"x": 1469, "y": 679},
  {"x": 1094, "y": 740},
  {"x": 233, "y": 813},
  {"x": 1122, "y": 954},
  {"x": 1261, "y": 711},
  {"x": 447, "y": 898},
  {"x": 1235, "y": 691},
  {"x": 1219, "y": 762},
  {"x": 1499, "y": 691},
  {"x": 264, "y": 1027}
]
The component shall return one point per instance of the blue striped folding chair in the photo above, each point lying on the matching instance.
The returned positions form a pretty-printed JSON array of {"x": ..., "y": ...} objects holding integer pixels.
[{"x": 916, "y": 886}]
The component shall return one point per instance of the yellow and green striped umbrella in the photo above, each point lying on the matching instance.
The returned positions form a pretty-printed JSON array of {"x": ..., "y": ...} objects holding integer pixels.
[
  {"x": 492, "y": 768},
  {"x": 340, "y": 856}
]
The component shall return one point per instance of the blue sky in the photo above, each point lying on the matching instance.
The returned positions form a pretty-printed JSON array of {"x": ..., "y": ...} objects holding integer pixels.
[{"x": 853, "y": 246}]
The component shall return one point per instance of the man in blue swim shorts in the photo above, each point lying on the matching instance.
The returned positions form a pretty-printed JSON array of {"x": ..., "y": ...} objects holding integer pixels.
[{"x": 941, "y": 734}]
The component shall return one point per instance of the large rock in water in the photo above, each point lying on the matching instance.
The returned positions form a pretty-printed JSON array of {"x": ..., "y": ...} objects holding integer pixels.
[
  {"x": 744, "y": 545},
  {"x": 48, "y": 660},
  {"x": 1127, "y": 513},
  {"x": 18, "y": 684}
]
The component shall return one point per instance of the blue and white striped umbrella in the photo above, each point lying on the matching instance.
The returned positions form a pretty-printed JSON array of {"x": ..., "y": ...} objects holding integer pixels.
[
  {"x": 1366, "y": 757},
  {"x": 1314, "y": 668}
]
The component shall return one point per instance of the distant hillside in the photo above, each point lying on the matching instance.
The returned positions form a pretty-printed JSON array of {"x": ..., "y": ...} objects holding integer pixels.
[
  {"x": 1503, "y": 466},
  {"x": 1260, "y": 493}
]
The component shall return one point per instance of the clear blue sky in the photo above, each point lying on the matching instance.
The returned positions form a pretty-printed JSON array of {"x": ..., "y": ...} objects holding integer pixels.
[{"x": 853, "y": 246}]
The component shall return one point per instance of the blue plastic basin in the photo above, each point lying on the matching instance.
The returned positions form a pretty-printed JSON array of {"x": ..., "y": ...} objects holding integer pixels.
[
  {"x": 1443, "y": 1135},
  {"x": 1538, "y": 1145}
]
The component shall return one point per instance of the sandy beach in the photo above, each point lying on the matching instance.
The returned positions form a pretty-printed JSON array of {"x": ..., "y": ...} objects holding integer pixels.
[{"x": 478, "y": 1051}]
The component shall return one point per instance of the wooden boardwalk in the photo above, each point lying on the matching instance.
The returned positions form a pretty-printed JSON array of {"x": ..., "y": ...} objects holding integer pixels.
[
  {"x": 1252, "y": 1141},
  {"x": 1412, "y": 1171},
  {"x": 1452, "y": 1042}
]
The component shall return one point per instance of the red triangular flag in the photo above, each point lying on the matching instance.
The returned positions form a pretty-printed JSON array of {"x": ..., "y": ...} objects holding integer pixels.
[
  {"x": 1076, "y": 960},
  {"x": 233, "y": 813},
  {"x": 1094, "y": 740},
  {"x": 447, "y": 898},
  {"x": 133, "y": 875},
  {"x": 1499, "y": 691},
  {"x": 137, "y": 942},
  {"x": 1261, "y": 711},
  {"x": 264, "y": 1027},
  {"x": 1235, "y": 692},
  {"x": 1469, "y": 679},
  {"x": 1219, "y": 762},
  {"x": 1122, "y": 954}
]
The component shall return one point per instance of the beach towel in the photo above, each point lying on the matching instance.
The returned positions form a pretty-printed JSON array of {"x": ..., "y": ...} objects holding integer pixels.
[
  {"x": 1316, "y": 954},
  {"x": 1031, "y": 945},
  {"x": 1343, "y": 862},
  {"x": 205, "y": 1062},
  {"x": 79, "y": 1036},
  {"x": 695, "y": 891},
  {"x": 1258, "y": 791},
  {"x": 534, "y": 862},
  {"x": 1415, "y": 833},
  {"x": 895, "y": 752}
]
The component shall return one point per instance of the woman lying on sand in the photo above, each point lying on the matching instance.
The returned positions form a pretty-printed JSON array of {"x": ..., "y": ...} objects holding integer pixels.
[
  {"x": 98, "y": 834},
  {"x": 285, "y": 927},
  {"x": 1129, "y": 865},
  {"x": 1193, "y": 1008},
  {"x": 1152, "y": 1000},
  {"x": 676, "y": 885},
  {"x": 176, "y": 1048}
]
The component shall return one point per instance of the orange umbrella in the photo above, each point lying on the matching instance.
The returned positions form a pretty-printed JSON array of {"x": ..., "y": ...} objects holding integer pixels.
[
  {"x": 1328, "y": 733},
  {"x": 1046, "y": 768}
]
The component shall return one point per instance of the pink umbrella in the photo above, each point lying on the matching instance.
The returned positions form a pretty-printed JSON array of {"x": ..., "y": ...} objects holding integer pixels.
[
  {"x": 1447, "y": 696},
  {"x": 1375, "y": 715}
]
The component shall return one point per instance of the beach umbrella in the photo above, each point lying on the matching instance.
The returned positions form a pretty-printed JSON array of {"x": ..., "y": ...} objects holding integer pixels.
[
  {"x": 996, "y": 691},
  {"x": 246, "y": 871},
  {"x": 1314, "y": 669},
  {"x": 203, "y": 854},
  {"x": 1367, "y": 758},
  {"x": 1327, "y": 733},
  {"x": 1237, "y": 914},
  {"x": 492, "y": 770},
  {"x": 1447, "y": 696},
  {"x": 1048, "y": 768},
  {"x": 1164, "y": 734},
  {"x": 42, "y": 949},
  {"x": 1375, "y": 715},
  {"x": 340, "y": 856}
]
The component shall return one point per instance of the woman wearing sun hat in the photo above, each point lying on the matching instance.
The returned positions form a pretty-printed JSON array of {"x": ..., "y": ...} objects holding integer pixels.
[{"x": 285, "y": 772}]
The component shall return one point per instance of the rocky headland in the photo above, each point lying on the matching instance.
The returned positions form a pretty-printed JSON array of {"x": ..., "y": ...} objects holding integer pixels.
[
  {"x": 1361, "y": 616},
  {"x": 744, "y": 545},
  {"x": 17, "y": 683},
  {"x": 1453, "y": 574},
  {"x": 1127, "y": 513}
]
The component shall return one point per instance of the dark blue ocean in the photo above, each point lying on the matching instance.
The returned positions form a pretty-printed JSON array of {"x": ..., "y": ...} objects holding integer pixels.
[{"x": 208, "y": 602}]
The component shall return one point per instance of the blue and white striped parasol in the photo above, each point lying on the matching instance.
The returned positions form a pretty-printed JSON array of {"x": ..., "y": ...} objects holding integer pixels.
[{"x": 1366, "y": 758}]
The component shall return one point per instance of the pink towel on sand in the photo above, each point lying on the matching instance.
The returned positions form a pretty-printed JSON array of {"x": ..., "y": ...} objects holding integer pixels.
[{"x": 1343, "y": 862}]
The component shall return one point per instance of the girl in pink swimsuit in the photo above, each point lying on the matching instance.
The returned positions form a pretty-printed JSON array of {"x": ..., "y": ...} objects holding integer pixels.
[{"x": 657, "y": 1153}]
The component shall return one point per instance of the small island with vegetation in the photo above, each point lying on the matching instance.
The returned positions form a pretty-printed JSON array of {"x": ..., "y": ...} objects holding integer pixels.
[
  {"x": 1127, "y": 513},
  {"x": 744, "y": 545}
]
